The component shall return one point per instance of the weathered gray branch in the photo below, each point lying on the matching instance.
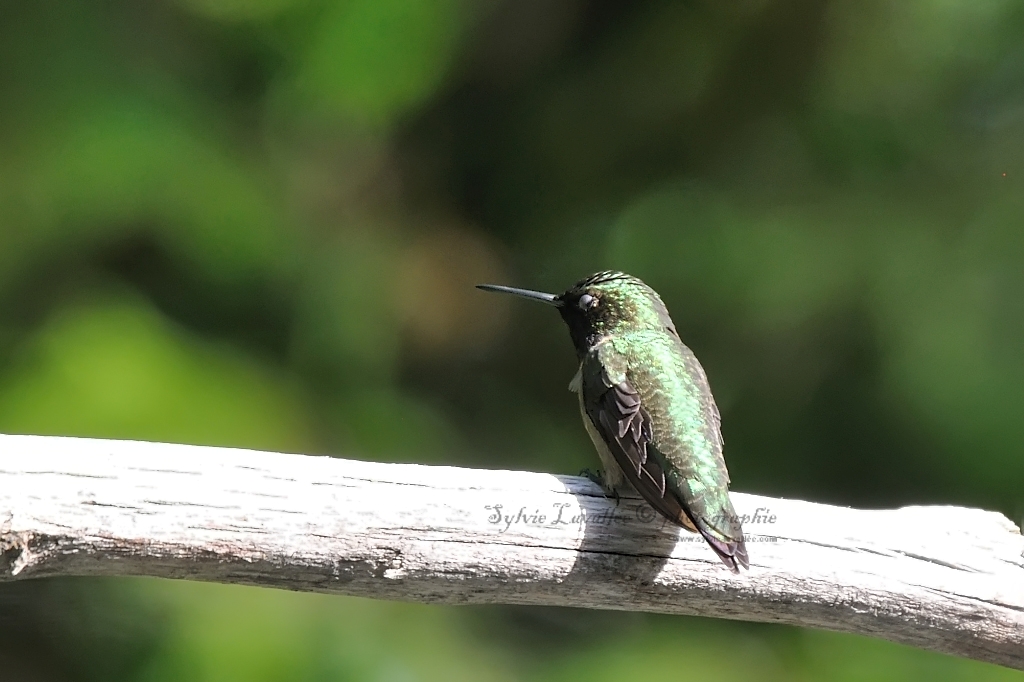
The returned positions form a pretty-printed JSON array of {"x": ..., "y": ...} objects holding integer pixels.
[{"x": 942, "y": 578}]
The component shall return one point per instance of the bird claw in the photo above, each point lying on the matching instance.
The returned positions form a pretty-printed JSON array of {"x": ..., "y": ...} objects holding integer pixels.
[
  {"x": 614, "y": 494},
  {"x": 598, "y": 478}
]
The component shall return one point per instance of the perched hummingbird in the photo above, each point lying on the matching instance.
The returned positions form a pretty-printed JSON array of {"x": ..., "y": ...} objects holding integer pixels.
[{"x": 647, "y": 406}]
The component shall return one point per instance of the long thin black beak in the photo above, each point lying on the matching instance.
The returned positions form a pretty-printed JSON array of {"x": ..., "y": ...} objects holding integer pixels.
[{"x": 550, "y": 299}]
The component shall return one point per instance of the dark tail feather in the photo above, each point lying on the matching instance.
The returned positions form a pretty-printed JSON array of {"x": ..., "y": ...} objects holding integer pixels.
[{"x": 732, "y": 554}]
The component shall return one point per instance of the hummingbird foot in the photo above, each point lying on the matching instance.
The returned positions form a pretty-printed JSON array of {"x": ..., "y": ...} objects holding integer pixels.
[{"x": 599, "y": 478}]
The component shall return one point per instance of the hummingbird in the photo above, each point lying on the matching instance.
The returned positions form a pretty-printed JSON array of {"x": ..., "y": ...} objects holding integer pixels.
[{"x": 647, "y": 406}]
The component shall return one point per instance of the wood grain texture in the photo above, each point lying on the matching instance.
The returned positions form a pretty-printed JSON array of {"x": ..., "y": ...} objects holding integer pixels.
[{"x": 947, "y": 579}]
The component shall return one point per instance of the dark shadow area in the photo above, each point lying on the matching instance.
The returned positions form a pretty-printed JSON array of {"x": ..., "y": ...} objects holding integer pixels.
[{"x": 624, "y": 541}]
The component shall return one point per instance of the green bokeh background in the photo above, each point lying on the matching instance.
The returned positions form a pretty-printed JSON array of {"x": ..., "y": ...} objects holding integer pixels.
[{"x": 257, "y": 223}]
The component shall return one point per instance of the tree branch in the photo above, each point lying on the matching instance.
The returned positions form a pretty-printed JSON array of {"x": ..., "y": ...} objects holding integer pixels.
[{"x": 942, "y": 578}]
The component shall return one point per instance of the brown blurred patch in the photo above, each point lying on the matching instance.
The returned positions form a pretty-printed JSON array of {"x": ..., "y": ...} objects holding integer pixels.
[{"x": 441, "y": 311}]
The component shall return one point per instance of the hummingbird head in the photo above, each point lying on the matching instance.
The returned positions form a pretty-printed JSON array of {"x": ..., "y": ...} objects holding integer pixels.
[{"x": 602, "y": 305}]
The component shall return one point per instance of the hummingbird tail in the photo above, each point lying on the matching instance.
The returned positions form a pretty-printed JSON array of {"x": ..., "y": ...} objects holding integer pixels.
[{"x": 733, "y": 553}]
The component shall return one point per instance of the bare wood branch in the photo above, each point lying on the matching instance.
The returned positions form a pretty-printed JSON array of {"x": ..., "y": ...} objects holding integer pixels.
[{"x": 942, "y": 578}]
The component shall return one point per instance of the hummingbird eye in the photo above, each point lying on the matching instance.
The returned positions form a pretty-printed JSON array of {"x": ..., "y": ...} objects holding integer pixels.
[{"x": 586, "y": 302}]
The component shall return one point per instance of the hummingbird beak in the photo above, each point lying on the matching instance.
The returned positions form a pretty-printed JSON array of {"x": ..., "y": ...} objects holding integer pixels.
[{"x": 550, "y": 299}]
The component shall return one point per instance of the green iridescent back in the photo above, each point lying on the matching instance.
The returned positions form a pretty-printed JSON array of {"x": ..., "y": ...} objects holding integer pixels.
[{"x": 686, "y": 427}]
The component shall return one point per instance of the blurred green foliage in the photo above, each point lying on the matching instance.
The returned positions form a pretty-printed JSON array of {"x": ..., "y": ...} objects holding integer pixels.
[{"x": 258, "y": 222}]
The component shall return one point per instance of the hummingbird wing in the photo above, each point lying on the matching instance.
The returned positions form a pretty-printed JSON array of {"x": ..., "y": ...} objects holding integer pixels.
[{"x": 616, "y": 409}]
